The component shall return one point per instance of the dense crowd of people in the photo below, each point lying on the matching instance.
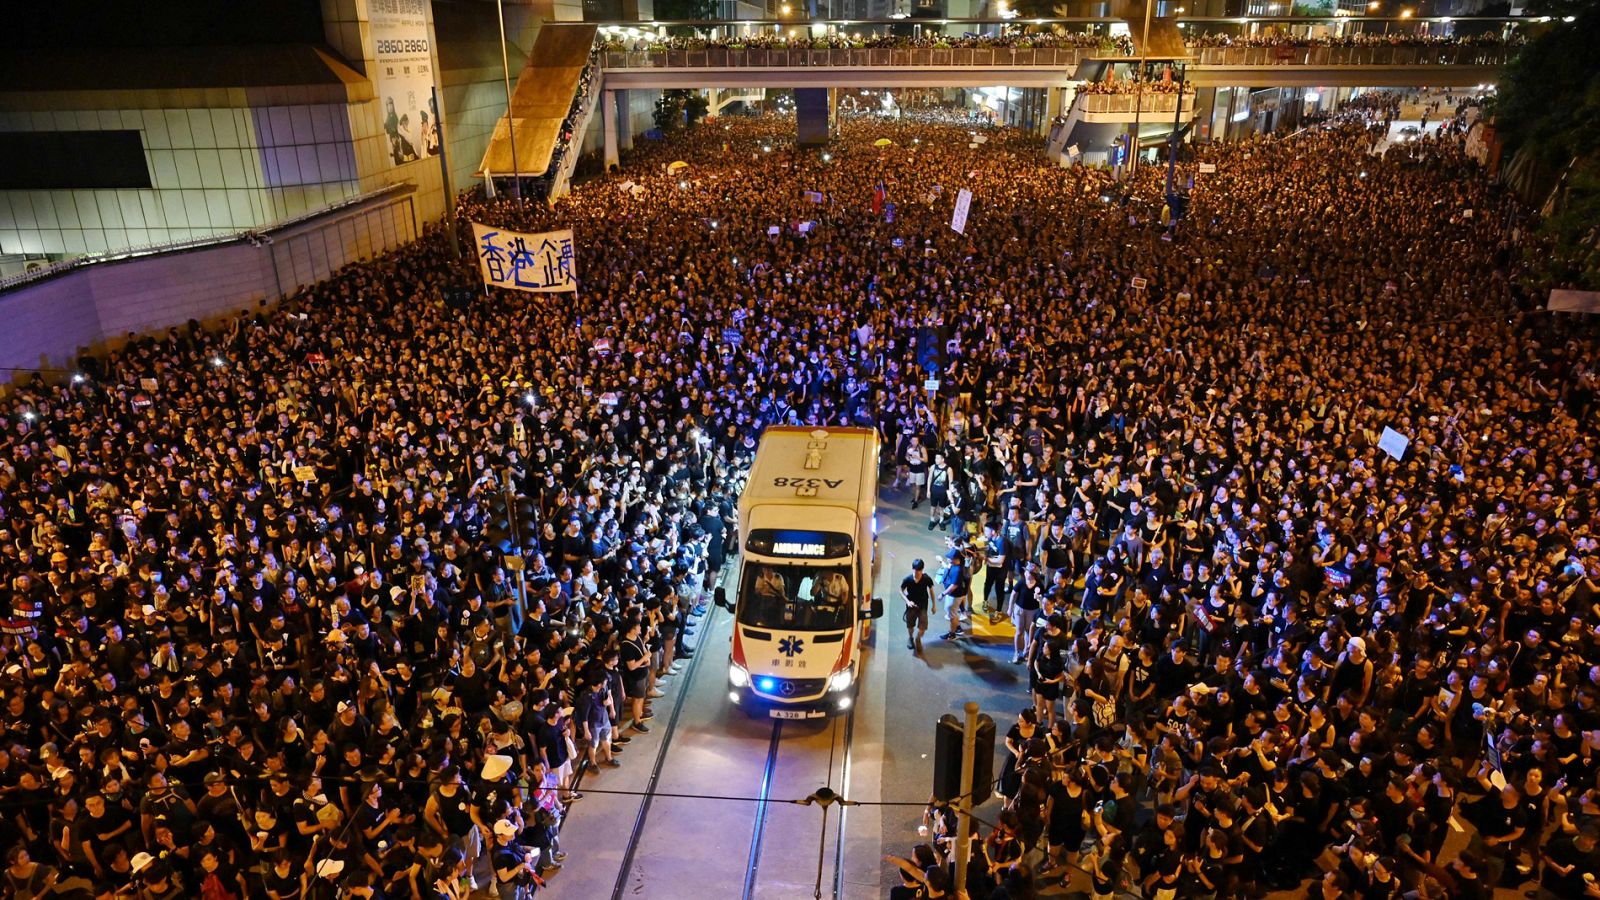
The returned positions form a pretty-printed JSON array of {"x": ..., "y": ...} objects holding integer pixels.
[
  {"x": 1277, "y": 38},
  {"x": 263, "y": 635},
  {"x": 1259, "y": 646},
  {"x": 569, "y": 123},
  {"x": 1162, "y": 84}
]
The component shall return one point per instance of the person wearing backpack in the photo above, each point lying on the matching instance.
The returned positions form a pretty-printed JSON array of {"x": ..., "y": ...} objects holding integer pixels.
[
  {"x": 26, "y": 879},
  {"x": 955, "y": 590}
]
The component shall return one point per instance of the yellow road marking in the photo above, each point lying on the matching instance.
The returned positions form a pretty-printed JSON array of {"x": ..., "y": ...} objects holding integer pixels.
[{"x": 980, "y": 613}]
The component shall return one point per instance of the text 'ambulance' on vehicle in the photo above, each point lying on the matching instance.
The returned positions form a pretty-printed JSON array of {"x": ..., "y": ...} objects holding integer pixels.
[{"x": 803, "y": 600}]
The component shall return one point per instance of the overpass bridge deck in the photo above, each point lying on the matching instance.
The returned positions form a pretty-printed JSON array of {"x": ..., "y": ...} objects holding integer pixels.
[{"x": 1358, "y": 65}]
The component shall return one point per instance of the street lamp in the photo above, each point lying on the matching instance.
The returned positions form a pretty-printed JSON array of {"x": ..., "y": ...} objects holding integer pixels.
[{"x": 511, "y": 133}]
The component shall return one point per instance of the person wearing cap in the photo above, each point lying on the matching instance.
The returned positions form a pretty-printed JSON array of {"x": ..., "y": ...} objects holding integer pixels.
[
  {"x": 955, "y": 590},
  {"x": 162, "y": 882},
  {"x": 141, "y": 863},
  {"x": 349, "y": 726},
  {"x": 495, "y": 789},
  {"x": 916, "y": 590},
  {"x": 592, "y": 722},
  {"x": 516, "y": 873}
]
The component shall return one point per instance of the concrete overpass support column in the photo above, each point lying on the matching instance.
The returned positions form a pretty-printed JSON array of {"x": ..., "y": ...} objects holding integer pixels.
[
  {"x": 1205, "y": 109},
  {"x": 608, "y": 116},
  {"x": 833, "y": 112},
  {"x": 1052, "y": 108},
  {"x": 811, "y": 116},
  {"x": 624, "y": 121}
]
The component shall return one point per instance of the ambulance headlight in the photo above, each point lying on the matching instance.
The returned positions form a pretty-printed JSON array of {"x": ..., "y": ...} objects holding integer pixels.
[
  {"x": 841, "y": 681},
  {"x": 738, "y": 675}
]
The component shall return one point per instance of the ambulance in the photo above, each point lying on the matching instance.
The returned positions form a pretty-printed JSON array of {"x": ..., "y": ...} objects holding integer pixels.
[{"x": 803, "y": 598}]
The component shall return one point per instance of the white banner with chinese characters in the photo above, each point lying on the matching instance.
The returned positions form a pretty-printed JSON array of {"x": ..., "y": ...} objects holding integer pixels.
[
  {"x": 958, "y": 220},
  {"x": 541, "y": 263},
  {"x": 403, "y": 60}
]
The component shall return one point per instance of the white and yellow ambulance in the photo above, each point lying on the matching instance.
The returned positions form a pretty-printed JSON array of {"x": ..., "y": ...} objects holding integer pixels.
[{"x": 803, "y": 600}]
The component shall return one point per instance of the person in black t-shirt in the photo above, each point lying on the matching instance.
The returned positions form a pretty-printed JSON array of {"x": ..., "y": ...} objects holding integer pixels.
[
  {"x": 1571, "y": 864},
  {"x": 1026, "y": 598},
  {"x": 636, "y": 672},
  {"x": 917, "y": 590},
  {"x": 514, "y": 874},
  {"x": 1501, "y": 820}
]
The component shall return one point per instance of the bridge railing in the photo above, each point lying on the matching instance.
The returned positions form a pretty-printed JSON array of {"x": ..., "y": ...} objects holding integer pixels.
[
  {"x": 1049, "y": 57},
  {"x": 904, "y": 57},
  {"x": 1359, "y": 55}
]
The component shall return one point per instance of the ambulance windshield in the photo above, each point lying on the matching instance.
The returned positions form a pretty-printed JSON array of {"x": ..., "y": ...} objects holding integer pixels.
[{"x": 812, "y": 598}]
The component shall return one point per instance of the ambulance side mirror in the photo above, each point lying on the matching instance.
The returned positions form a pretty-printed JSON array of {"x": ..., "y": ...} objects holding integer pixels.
[
  {"x": 720, "y": 597},
  {"x": 874, "y": 609}
]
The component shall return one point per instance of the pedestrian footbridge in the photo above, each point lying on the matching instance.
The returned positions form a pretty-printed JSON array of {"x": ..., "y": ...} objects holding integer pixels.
[
  {"x": 955, "y": 67},
  {"x": 574, "y": 65}
]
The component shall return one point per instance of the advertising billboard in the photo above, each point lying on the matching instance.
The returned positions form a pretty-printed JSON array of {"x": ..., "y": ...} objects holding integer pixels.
[{"x": 403, "y": 77}]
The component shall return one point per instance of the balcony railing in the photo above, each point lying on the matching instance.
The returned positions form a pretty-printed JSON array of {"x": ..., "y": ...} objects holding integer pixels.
[
  {"x": 772, "y": 57},
  {"x": 1046, "y": 57},
  {"x": 1149, "y": 102}
]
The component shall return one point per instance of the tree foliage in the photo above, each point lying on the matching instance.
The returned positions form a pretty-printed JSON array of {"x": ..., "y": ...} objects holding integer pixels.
[
  {"x": 1548, "y": 110},
  {"x": 679, "y": 107},
  {"x": 1549, "y": 97},
  {"x": 682, "y": 11}
]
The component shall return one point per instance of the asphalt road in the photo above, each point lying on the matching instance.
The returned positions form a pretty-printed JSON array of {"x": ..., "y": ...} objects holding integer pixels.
[{"x": 719, "y": 822}]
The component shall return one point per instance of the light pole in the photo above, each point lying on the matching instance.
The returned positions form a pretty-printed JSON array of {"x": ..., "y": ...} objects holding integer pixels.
[
  {"x": 511, "y": 128},
  {"x": 1138, "y": 96},
  {"x": 1172, "y": 140},
  {"x": 444, "y": 175},
  {"x": 508, "y": 496}
]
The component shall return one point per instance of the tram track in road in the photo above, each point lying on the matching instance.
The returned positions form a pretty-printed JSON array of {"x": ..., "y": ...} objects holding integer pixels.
[
  {"x": 844, "y": 811},
  {"x": 701, "y": 651},
  {"x": 840, "y": 739},
  {"x": 779, "y": 764},
  {"x": 814, "y": 832},
  {"x": 752, "y": 867}
]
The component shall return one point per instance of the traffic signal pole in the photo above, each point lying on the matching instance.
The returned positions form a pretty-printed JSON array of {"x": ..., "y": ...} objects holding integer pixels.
[{"x": 969, "y": 743}]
